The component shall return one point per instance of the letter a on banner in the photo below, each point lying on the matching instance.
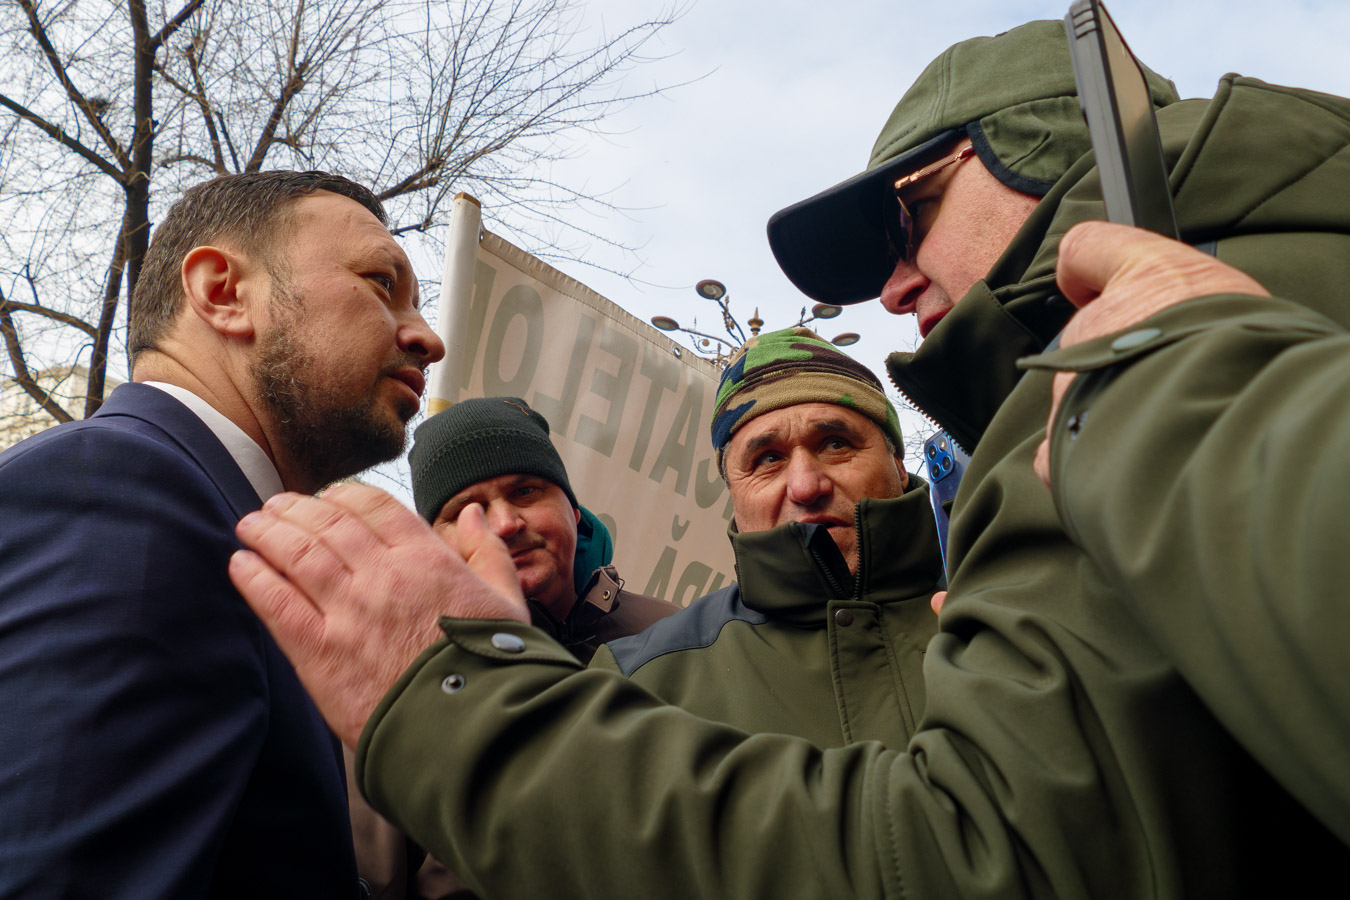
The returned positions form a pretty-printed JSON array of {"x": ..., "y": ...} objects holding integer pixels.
[{"x": 628, "y": 408}]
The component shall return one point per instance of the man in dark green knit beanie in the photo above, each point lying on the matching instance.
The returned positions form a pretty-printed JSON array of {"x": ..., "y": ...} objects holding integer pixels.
[{"x": 496, "y": 452}]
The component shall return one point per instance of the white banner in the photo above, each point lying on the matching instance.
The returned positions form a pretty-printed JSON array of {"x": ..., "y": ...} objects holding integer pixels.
[{"x": 629, "y": 410}]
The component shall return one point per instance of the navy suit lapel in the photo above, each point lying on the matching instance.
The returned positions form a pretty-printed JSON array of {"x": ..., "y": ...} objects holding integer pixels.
[{"x": 181, "y": 427}]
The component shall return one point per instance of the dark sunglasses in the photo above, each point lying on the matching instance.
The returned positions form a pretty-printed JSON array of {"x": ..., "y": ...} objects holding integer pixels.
[{"x": 900, "y": 225}]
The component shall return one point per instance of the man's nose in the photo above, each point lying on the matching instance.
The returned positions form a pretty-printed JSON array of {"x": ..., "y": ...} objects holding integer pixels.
[
  {"x": 415, "y": 336},
  {"x": 504, "y": 519},
  {"x": 902, "y": 289},
  {"x": 807, "y": 482}
]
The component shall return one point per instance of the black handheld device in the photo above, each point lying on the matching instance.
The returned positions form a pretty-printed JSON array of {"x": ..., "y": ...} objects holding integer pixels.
[
  {"x": 944, "y": 462},
  {"x": 1119, "y": 113}
]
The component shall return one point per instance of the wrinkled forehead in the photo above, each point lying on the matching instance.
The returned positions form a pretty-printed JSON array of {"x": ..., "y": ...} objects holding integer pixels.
[{"x": 799, "y": 423}]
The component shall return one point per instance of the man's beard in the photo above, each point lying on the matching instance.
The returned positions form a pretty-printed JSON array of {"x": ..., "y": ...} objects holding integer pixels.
[{"x": 326, "y": 436}]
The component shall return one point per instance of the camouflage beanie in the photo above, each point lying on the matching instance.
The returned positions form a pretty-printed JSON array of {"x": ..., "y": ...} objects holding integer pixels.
[
  {"x": 1013, "y": 95},
  {"x": 791, "y": 366}
]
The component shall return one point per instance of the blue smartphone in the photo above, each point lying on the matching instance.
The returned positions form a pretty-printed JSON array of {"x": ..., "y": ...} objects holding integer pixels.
[{"x": 944, "y": 462}]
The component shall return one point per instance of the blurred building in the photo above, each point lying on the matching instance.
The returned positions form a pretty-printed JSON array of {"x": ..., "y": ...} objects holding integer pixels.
[{"x": 20, "y": 414}]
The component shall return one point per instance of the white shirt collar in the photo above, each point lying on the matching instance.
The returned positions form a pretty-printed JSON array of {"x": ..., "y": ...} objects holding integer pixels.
[{"x": 257, "y": 467}]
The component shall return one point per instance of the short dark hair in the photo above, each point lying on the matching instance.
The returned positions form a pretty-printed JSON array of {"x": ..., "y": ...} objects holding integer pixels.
[{"x": 248, "y": 210}]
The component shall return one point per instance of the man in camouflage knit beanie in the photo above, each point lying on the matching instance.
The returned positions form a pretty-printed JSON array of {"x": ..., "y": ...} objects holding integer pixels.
[
  {"x": 822, "y": 635},
  {"x": 802, "y": 432},
  {"x": 791, "y": 366}
]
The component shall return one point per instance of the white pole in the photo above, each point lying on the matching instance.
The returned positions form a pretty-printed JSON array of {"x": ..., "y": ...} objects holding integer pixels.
[{"x": 461, "y": 259}]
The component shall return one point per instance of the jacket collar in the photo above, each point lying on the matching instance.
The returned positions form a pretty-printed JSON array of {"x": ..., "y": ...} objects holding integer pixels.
[
  {"x": 793, "y": 571},
  {"x": 964, "y": 370},
  {"x": 597, "y": 600},
  {"x": 189, "y": 433}
]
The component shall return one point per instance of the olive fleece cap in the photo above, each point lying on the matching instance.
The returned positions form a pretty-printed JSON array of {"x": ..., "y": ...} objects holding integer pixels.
[
  {"x": 478, "y": 439},
  {"x": 1013, "y": 95}
]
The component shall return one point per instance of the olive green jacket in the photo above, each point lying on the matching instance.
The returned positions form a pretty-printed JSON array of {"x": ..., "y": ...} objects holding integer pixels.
[
  {"x": 799, "y": 646},
  {"x": 1256, "y": 437},
  {"x": 1065, "y": 751}
]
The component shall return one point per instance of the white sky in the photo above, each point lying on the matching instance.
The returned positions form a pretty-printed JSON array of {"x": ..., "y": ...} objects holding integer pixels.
[{"x": 792, "y": 98}]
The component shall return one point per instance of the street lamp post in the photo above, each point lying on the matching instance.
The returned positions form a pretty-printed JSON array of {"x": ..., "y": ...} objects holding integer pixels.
[{"x": 720, "y": 350}]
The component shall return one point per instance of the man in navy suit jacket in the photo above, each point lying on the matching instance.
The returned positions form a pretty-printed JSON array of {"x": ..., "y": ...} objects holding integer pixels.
[{"x": 154, "y": 742}]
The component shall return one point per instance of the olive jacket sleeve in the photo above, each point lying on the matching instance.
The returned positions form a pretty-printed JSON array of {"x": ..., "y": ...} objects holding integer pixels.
[
  {"x": 1202, "y": 464},
  {"x": 635, "y": 798},
  {"x": 532, "y": 777}
]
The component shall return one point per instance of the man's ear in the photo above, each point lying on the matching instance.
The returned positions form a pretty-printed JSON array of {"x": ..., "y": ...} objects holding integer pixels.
[
  {"x": 211, "y": 285},
  {"x": 576, "y": 514},
  {"x": 904, "y": 473}
]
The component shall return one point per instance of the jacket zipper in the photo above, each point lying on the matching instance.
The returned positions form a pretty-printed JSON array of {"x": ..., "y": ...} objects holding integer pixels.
[
  {"x": 909, "y": 402},
  {"x": 830, "y": 580}
]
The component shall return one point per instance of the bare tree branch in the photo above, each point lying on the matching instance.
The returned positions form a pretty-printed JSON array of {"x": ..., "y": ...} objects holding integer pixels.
[
  {"x": 91, "y": 112},
  {"x": 54, "y": 314},
  {"x": 175, "y": 23},
  {"x": 416, "y": 98},
  {"x": 22, "y": 376},
  {"x": 196, "y": 94},
  {"x": 98, "y": 362},
  {"x": 55, "y": 131}
]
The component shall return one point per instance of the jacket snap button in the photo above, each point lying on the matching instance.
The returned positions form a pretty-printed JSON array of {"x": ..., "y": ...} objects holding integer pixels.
[
  {"x": 843, "y": 618},
  {"x": 508, "y": 643},
  {"x": 1134, "y": 339},
  {"x": 452, "y": 683}
]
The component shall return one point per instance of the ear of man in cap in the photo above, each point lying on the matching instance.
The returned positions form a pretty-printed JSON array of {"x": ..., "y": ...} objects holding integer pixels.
[
  {"x": 1013, "y": 95},
  {"x": 792, "y": 366}
]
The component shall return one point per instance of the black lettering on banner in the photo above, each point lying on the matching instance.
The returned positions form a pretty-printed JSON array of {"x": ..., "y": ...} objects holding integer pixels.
[
  {"x": 612, "y": 527},
  {"x": 659, "y": 582},
  {"x": 663, "y": 373},
  {"x": 678, "y": 528},
  {"x": 484, "y": 276},
  {"x": 675, "y": 453},
  {"x": 695, "y": 576},
  {"x": 708, "y": 485},
  {"x": 520, "y": 302},
  {"x": 693, "y": 582},
  {"x": 610, "y": 386},
  {"x": 558, "y": 410}
]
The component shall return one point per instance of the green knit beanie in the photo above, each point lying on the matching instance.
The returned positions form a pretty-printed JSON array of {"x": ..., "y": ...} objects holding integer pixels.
[
  {"x": 475, "y": 440},
  {"x": 792, "y": 366}
]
